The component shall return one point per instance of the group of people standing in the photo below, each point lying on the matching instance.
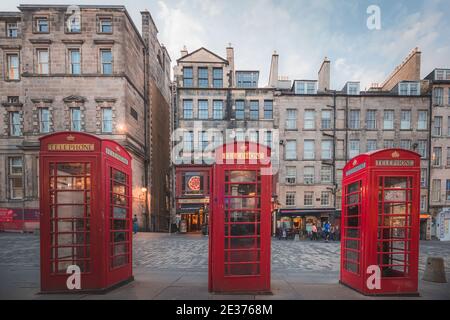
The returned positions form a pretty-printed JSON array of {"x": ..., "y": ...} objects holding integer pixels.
[
  {"x": 327, "y": 232},
  {"x": 312, "y": 231}
]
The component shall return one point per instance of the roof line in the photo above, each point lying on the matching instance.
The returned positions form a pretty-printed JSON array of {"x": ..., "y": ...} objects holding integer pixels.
[
  {"x": 195, "y": 51},
  {"x": 86, "y": 6}
]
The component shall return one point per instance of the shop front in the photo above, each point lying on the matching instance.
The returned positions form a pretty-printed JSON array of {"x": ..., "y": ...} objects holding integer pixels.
[
  {"x": 192, "y": 200},
  {"x": 300, "y": 221},
  {"x": 443, "y": 224}
]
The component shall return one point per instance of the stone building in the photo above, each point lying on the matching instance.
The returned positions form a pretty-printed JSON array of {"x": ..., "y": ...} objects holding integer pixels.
[
  {"x": 211, "y": 94},
  {"x": 85, "y": 69},
  {"x": 439, "y": 86},
  {"x": 321, "y": 129}
]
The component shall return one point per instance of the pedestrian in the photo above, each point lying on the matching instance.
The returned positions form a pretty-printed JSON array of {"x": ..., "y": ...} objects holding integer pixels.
[
  {"x": 333, "y": 233},
  {"x": 314, "y": 232},
  {"x": 326, "y": 229},
  {"x": 284, "y": 234},
  {"x": 309, "y": 230},
  {"x": 337, "y": 231},
  {"x": 135, "y": 224}
]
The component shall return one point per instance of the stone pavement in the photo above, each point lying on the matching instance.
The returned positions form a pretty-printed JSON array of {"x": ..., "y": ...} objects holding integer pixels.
[{"x": 175, "y": 267}]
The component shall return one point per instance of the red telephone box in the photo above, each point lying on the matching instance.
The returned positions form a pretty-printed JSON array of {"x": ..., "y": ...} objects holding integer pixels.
[
  {"x": 85, "y": 204},
  {"x": 380, "y": 222},
  {"x": 240, "y": 220}
]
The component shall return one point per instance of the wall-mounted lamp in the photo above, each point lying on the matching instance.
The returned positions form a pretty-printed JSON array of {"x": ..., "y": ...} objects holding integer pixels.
[{"x": 121, "y": 128}]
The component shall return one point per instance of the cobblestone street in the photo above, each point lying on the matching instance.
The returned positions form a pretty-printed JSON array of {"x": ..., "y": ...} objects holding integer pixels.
[
  {"x": 186, "y": 252},
  {"x": 171, "y": 257}
]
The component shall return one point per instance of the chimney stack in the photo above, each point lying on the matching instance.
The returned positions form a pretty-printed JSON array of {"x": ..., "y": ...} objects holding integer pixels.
[
  {"x": 324, "y": 76},
  {"x": 273, "y": 76},
  {"x": 184, "y": 52},
  {"x": 230, "y": 59}
]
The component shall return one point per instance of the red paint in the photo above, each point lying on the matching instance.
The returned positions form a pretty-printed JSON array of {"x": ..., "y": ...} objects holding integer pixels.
[
  {"x": 240, "y": 222},
  {"x": 380, "y": 221},
  {"x": 77, "y": 210}
]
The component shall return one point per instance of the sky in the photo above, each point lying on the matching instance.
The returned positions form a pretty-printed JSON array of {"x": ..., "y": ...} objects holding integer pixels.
[{"x": 302, "y": 32}]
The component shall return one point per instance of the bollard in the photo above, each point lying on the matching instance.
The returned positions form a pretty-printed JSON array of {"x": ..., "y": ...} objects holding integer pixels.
[{"x": 435, "y": 270}]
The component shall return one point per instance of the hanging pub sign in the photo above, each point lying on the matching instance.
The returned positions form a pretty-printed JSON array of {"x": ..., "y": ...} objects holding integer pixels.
[{"x": 193, "y": 183}]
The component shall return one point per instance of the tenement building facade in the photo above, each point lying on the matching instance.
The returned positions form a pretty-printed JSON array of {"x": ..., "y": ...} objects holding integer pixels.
[
  {"x": 322, "y": 129},
  {"x": 82, "y": 69},
  {"x": 214, "y": 104},
  {"x": 439, "y": 85}
]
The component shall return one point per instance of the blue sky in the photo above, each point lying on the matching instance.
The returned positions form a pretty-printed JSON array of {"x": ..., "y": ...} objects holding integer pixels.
[{"x": 303, "y": 32}]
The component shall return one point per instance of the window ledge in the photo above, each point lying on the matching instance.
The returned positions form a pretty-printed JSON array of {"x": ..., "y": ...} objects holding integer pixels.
[
  {"x": 104, "y": 41},
  {"x": 40, "y": 41},
  {"x": 7, "y": 104},
  {"x": 72, "y": 41}
]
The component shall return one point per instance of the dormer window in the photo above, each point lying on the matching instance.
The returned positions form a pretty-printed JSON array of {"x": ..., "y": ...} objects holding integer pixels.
[
  {"x": 442, "y": 75},
  {"x": 42, "y": 25},
  {"x": 409, "y": 89},
  {"x": 12, "y": 30},
  {"x": 305, "y": 87},
  {"x": 353, "y": 88},
  {"x": 247, "y": 79}
]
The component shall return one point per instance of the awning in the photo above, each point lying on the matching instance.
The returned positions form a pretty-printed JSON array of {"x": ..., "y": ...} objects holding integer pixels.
[
  {"x": 190, "y": 209},
  {"x": 308, "y": 212}
]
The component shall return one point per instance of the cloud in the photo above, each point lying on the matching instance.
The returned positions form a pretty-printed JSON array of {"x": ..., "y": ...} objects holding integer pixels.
[
  {"x": 179, "y": 28},
  {"x": 303, "y": 32}
]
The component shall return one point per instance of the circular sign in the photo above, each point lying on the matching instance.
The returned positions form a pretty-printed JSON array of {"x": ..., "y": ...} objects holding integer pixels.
[{"x": 194, "y": 183}]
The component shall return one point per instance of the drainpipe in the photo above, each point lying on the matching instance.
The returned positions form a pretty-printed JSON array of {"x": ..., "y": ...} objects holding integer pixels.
[
  {"x": 430, "y": 150},
  {"x": 334, "y": 150},
  {"x": 346, "y": 130},
  {"x": 146, "y": 138}
]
